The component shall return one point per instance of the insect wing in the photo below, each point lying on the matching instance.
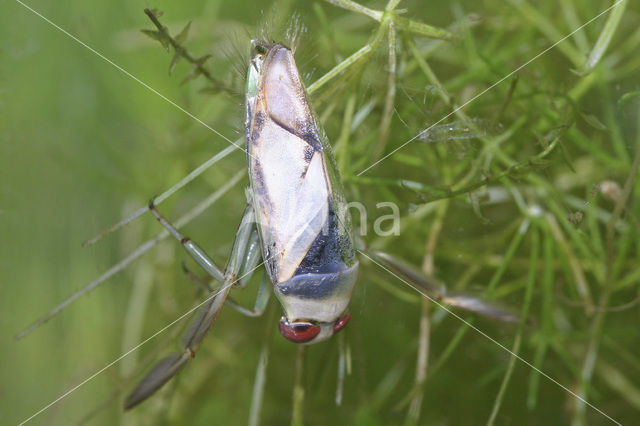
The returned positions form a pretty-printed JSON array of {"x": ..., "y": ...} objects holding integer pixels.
[{"x": 293, "y": 192}]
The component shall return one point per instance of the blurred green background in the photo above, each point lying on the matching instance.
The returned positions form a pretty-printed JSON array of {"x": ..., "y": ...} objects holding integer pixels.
[{"x": 83, "y": 145}]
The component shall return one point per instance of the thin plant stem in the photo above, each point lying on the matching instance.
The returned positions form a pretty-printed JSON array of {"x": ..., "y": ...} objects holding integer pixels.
[
  {"x": 139, "y": 251},
  {"x": 580, "y": 279},
  {"x": 422, "y": 361},
  {"x": 342, "y": 361},
  {"x": 552, "y": 34},
  {"x": 598, "y": 320},
  {"x": 257, "y": 395},
  {"x": 182, "y": 52},
  {"x": 613, "y": 21},
  {"x": 385, "y": 123},
  {"x": 342, "y": 145},
  {"x": 297, "y": 411},
  {"x": 545, "y": 315},
  {"x": 358, "y": 8},
  {"x": 571, "y": 16},
  {"x": 513, "y": 246},
  {"x": 166, "y": 194},
  {"x": 410, "y": 25},
  {"x": 535, "y": 248},
  {"x": 361, "y": 54}
]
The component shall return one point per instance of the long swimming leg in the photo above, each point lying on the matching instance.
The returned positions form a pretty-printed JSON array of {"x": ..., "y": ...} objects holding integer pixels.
[
  {"x": 438, "y": 292},
  {"x": 169, "y": 366}
]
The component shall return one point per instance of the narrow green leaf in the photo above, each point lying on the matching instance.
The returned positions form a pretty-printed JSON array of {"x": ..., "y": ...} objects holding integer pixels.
[
  {"x": 545, "y": 26},
  {"x": 605, "y": 37},
  {"x": 174, "y": 60},
  {"x": 202, "y": 59},
  {"x": 627, "y": 97},
  {"x": 193, "y": 74},
  {"x": 566, "y": 157},
  {"x": 424, "y": 29},
  {"x": 157, "y": 35},
  {"x": 183, "y": 34},
  {"x": 593, "y": 121}
]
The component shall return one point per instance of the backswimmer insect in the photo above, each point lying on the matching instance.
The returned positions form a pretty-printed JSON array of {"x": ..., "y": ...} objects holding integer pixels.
[
  {"x": 297, "y": 213},
  {"x": 296, "y": 219},
  {"x": 492, "y": 216}
]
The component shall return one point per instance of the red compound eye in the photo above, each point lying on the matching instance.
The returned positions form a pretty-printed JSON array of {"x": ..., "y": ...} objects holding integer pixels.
[
  {"x": 298, "y": 332},
  {"x": 339, "y": 325}
]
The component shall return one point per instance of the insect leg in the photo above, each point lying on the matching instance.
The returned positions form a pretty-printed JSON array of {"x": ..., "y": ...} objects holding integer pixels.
[
  {"x": 411, "y": 274},
  {"x": 261, "y": 300},
  {"x": 202, "y": 283},
  {"x": 438, "y": 292},
  {"x": 198, "y": 254},
  {"x": 169, "y": 366},
  {"x": 135, "y": 254},
  {"x": 252, "y": 257}
]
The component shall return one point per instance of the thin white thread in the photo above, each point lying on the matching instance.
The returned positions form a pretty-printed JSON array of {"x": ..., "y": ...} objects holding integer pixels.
[
  {"x": 128, "y": 74},
  {"x": 135, "y": 348},
  {"x": 493, "y": 340},
  {"x": 492, "y": 86}
]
